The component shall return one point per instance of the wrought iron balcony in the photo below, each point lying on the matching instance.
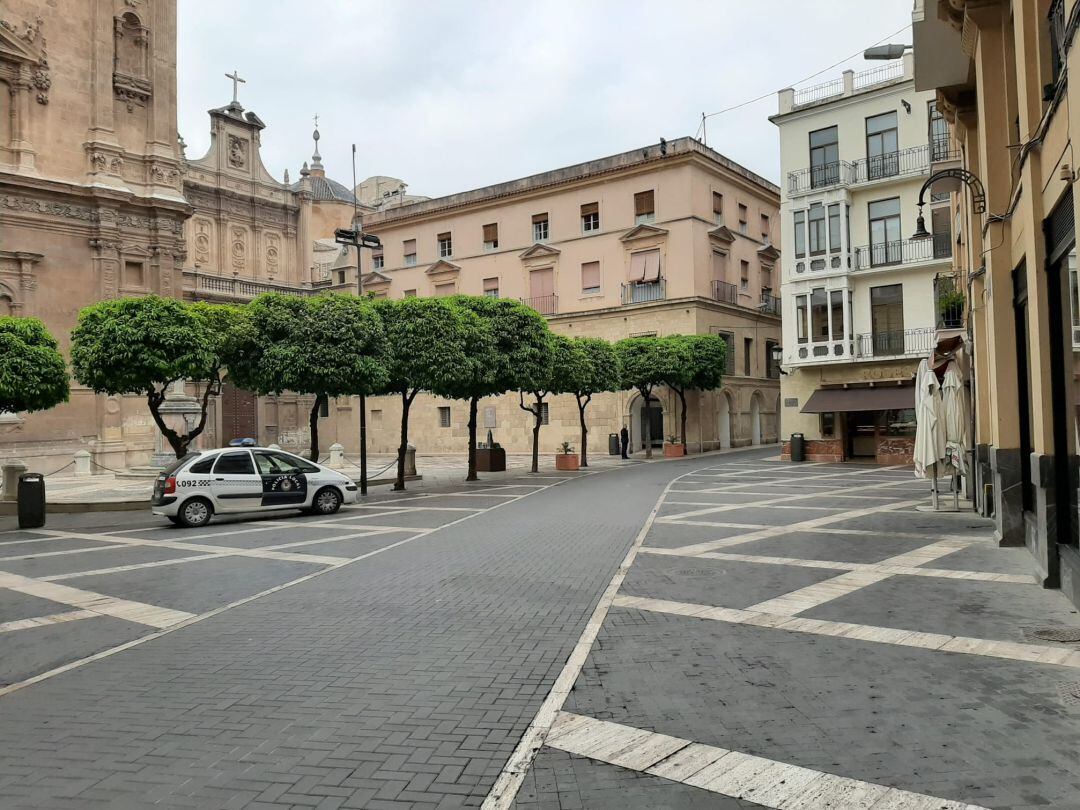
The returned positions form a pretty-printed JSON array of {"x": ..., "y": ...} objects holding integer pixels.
[
  {"x": 725, "y": 293},
  {"x": 896, "y": 343},
  {"x": 837, "y": 173},
  {"x": 949, "y": 302},
  {"x": 544, "y": 304},
  {"x": 770, "y": 304},
  {"x": 227, "y": 288},
  {"x": 904, "y": 162},
  {"x": 903, "y": 251},
  {"x": 641, "y": 292}
]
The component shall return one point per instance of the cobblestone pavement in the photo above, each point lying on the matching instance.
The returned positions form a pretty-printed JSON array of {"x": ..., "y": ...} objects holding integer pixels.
[
  {"x": 803, "y": 637},
  {"x": 390, "y": 656}
]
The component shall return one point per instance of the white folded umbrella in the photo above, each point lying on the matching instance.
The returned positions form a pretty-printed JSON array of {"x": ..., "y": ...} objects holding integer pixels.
[
  {"x": 929, "y": 427},
  {"x": 955, "y": 404}
]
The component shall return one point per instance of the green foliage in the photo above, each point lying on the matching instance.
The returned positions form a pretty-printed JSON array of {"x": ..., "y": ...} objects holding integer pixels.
[
  {"x": 599, "y": 369},
  {"x": 33, "y": 376},
  {"x": 330, "y": 345},
  {"x": 646, "y": 362},
  {"x": 519, "y": 353},
  {"x": 569, "y": 366},
  {"x": 704, "y": 362},
  {"x": 138, "y": 345}
]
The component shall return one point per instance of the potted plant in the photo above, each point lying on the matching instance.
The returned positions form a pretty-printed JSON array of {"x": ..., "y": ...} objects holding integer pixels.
[
  {"x": 673, "y": 448},
  {"x": 951, "y": 309},
  {"x": 566, "y": 459}
]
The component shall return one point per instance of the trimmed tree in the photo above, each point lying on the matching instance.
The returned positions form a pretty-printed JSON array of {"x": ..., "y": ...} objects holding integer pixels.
[
  {"x": 145, "y": 345},
  {"x": 702, "y": 371},
  {"x": 430, "y": 346},
  {"x": 330, "y": 346},
  {"x": 518, "y": 356},
  {"x": 566, "y": 365},
  {"x": 645, "y": 363},
  {"x": 33, "y": 376},
  {"x": 595, "y": 370}
]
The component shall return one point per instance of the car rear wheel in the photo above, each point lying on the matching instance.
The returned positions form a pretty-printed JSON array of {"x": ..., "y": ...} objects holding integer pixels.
[
  {"x": 326, "y": 501},
  {"x": 194, "y": 513}
]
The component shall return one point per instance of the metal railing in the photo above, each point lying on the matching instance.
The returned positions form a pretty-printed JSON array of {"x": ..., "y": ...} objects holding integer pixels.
[
  {"x": 641, "y": 292},
  {"x": 903, "y": 251},
  {"x": 725, "y": 293},
  {"x": 903, "y": 162},
  {"x": 819, "y": 92},
  {"x": 943, "y": 148},
  {"x": 837, "y": 173},
  {"x": 878, "y": 75},
  {"x": 238, "y": 288},
  {"x": 897, "y": 343},
  {"x": 949, "y": 302},
  {"x": 544, "y": 304},
  {"x": 770, "y": 304}
]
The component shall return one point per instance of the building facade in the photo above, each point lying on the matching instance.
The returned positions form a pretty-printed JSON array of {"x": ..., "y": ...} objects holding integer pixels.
[
  {"x": 1000, "y": 71},
  {"x": 860, "y": 296},
  {"x": 670, "y": 239}
]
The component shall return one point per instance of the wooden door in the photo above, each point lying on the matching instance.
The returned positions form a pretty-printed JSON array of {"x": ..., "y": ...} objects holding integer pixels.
[{"x": 239, "y": 415}]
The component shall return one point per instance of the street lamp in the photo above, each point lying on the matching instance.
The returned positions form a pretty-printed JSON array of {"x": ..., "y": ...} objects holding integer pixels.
[
  {"x": 974, "y": 184},
  {"x": 894, "y": 50},
  {"x": 778, "y": 357}
]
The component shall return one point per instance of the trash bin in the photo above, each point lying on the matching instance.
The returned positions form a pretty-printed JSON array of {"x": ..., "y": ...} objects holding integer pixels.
[
  {"x": 31, "y": 500},
  {"x": 613, "y": 444},
  {"x": 798, "y": 447}
]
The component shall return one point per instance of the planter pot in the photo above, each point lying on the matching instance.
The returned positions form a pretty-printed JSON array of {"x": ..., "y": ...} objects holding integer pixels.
[
  {"x": 674, "y": 450},
  {"x": 568, "y": 462},
  {"x": 491, "y": 459}
]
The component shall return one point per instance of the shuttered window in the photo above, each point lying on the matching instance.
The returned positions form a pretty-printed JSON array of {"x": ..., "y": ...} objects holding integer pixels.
[
  {"x": 491, "y": 287},
  {"x": 645, "y": 266},
  {"x": 590, "y": 217},
  {"x": 491, "y": 236},
  {"x": 718, "y": 205},
  {"x": 644, "y": 206},
  {"x": 446, "y": 245},
  {"x": 540, "y": 227},
  {"x": 408, "y": 248},
  {"x": 590, "y": 277}
]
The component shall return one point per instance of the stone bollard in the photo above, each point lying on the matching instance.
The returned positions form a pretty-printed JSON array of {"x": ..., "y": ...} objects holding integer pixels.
[
  {"x": 82, "y": 463},
  {"x": 273, "y": 447},
  {"x": 410, "y": 459},
  {"x": 12, "y": 469},
  {"x": 337, "y": 456}
]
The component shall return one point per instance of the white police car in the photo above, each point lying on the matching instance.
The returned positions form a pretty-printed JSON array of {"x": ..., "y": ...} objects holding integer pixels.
[{"x": 246, "y": 479}]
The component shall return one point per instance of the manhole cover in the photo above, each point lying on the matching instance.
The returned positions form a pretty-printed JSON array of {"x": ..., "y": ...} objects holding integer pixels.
[
  {"x": 697, "y": 572},
  {"x": 1057, "y": 633},
  {"x": 1069, "y": 692}
]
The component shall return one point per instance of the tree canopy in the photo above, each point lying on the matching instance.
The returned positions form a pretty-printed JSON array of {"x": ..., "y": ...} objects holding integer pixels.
[
  {"x": 33, "y": 376},
  {"x": 594, "y": 369},
  {"x": 701, "y": 368},
  {"x": 646, "y": 362}
]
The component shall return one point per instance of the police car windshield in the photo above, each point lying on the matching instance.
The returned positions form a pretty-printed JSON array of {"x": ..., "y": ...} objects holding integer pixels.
[
  {"x": 271, "y": 463},
  {"x": 180, "y": 462}
]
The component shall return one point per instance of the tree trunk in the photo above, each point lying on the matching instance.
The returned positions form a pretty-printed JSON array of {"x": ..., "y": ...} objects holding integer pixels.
[
  {"x": 682, "y": 401},
  {"x": 647, "y": 396},
  {"x": 313, "y": 425},
  {"x": 584, "y": 430},
  {"x": 472, "y": 476},
  {"x": 406, "y": 403},
  {"x": 537, "y": 412},
  {"x": 177, "y": 441}
]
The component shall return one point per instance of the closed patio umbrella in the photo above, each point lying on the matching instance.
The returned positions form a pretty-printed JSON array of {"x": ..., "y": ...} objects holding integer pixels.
[
  {"x": 955, "y": 404},
  {"x": 929, "y": 427}
]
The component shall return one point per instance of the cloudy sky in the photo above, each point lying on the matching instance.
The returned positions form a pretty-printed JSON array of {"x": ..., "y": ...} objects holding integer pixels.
[{"x": 456, "y": 95}]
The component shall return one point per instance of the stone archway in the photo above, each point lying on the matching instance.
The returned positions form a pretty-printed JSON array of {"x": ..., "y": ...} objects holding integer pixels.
[
  {"x": 755, "y": 418},
  {"x": 723, "y": 419},
  {"x": 636, "y": 418}
]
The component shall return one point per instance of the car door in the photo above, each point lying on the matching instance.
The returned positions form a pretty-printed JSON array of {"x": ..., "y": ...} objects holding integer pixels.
[
  {"x": 234, "y": 483},
  {"x": 283, "y": 478}
]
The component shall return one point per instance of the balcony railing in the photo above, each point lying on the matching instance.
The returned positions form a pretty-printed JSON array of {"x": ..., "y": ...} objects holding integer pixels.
[
  {"x": 949, "y": 302},
  {"x": 238, "y": 289},
  {"x": 770, "y": 304},
  {"x": 904, "y": 162},
  {"x": 837, "y": 173},
  {"x": 942, "y": 148},
  {"x": 903, "y": 251},
  {"x": 725, "y": 293},
  {"x": 641, "y": 292},
  {"x": 898, "y": 343},
  {"x": 544, "y": 304}
]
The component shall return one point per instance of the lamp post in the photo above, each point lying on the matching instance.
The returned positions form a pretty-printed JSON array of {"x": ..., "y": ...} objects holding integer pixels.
[
  {"x": 894, "y": 50},
  {"x": 778, "y": 357}
]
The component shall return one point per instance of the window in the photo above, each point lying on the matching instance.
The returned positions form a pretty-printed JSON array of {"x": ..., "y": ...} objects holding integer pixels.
[
  {"x": 834, "y": 228},
  {"x": 544, "y": 415},
  {"x": 939, "y": 133},
  {"x": 772, "y": 365},
  {"x": 836, "y": 307},
  {"x": 718, "y": 207},
  {"x": 887, "y": 319},
  {"x": 377, "y": 261},
  {"x": 238, "y": 463},
  {"x": 491, "y": 236},
  {"x": 800, "y": 234},
  {"x": 644, "y": 207},
  {"x": 729, "y": 353},
  {"x": 882, "y": 155},
  {"x": 816, "y": 218},
  {"x": 444, "y": 416},
  {"x": 742, "y": 218},
  {"x": 590, "y": 278},
  {"x": 376, "y": 417},
  {"x": 590, "y": 217},
  {"x": 719, "y": 266},
  {"x": 819, "y": 316},
  {"x": 744, "y": 277},
  {"x": 491, "y": 287},
  {"x": 443, "y": 290},
  {"x": 340, "y": 276},
  {"x": 802, "y": 332},
  {"x": 824, "y": 158},
  {"x": 828, "y": 424},
  {"x": 409, "y": 294},
  {"x": 941, "y": 228},
  {"x": 202, "y": 467},
  {"x": 446, "y": 245},
  {"x": 748, "y": 353},
  {"x": 133, "y": 274},
  {"x": 540, "y": 227},
  {"x": 765, "y": 228},
  {"x": 276, "y": 463},
  {"x": 885, "y": 243},
  {"x": 645, "y": 267},
  {"x": 409, "y": 249}
]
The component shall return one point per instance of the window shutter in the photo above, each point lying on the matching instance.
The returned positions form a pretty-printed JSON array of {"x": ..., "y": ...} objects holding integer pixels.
[
  {"x": 539, "y": 218},
  {"x": 444, "y": 237},
  {"x": 590, "y": 208},
  {"x": 717, "y": 202},
  {"x": 652, "y": 265},
  {"x": 590, "y": 275},
  {"x": 491, "y": 232},
  {"x": 409, "y": 246},
  {"x": 637, "y": 267},
  {"x": 491, "y": 284},
  {"x": 719, "y": 266},
  {"x": 643, "y": 203}
]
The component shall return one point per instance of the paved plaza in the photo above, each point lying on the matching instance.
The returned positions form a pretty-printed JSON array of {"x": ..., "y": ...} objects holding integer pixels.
[{"x": 721, "y": 631}]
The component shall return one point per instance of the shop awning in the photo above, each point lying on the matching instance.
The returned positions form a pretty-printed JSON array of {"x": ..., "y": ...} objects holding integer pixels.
[{"x": 885, "y": 398}]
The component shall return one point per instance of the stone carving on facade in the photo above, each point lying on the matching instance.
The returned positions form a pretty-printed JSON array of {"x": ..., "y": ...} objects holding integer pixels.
[
  {"x": 202, "y": 242},
  {"x": 237, "y": 152},
  {"x": 31, "y": 206},
  {"x": 42, "y": 81},
  {"x": 239, "y": 249},
  {"x": 99, "y": 161},
  {"x": 273, "y": 251},
  {"x": 131, "y": 74},
  {"x": 33, "y": 45},
  {"x": 116, "y": 165}
]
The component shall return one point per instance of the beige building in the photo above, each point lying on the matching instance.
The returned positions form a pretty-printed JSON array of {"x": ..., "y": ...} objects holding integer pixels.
[
  {"x": 673, "y": 238},
  {"x": 860, "y": 295},
  {"x": 1000, "y": 70}
]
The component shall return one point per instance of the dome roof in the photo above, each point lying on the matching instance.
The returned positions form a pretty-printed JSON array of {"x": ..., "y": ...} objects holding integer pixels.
[{"x": 323, "y": 189}]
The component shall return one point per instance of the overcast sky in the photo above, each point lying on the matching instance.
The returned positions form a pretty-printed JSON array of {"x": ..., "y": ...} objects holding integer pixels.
[{"x": 451, "y": 96}]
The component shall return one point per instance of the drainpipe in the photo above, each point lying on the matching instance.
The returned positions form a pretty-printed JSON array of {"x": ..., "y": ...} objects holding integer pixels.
[{"x": 975, "y": 477}]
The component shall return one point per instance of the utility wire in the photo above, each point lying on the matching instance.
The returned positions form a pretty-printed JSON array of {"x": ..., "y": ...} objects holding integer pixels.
[{"x": 705, "y": 116}]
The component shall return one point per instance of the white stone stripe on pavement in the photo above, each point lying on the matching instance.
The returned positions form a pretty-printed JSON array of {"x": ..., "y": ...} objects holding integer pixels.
[
  {"x": 939, "y": 642},
  {"x": 45, "y": 621},
  {"x": 730, "y": 773},
  {"x": 128, "y": 610}
]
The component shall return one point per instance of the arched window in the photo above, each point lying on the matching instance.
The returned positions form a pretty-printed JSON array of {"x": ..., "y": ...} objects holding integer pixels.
[
  {"x": 131, "y": 46},
  {"x": 7, "y": 306}
]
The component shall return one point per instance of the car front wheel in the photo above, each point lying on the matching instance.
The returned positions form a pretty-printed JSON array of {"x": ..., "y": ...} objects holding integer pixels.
[
  {"x": 326, "y": 501},
  {"x": 194, "y": 513}
]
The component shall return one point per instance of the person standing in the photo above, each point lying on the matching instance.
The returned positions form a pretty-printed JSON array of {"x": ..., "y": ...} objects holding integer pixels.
[{"x": 624, "y": 441}]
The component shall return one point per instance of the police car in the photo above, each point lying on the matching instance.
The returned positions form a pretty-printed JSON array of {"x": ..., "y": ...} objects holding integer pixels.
[{"x": 246, "y": 479}]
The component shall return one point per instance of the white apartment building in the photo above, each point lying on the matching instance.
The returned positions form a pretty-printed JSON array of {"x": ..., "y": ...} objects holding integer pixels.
[{"x": 860, "y": 296}]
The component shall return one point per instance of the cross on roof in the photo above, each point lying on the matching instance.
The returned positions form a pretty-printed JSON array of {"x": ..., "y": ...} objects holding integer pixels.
[
  {"x": 235, "y": 76},
  {"x": 316, "y": 121}
]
